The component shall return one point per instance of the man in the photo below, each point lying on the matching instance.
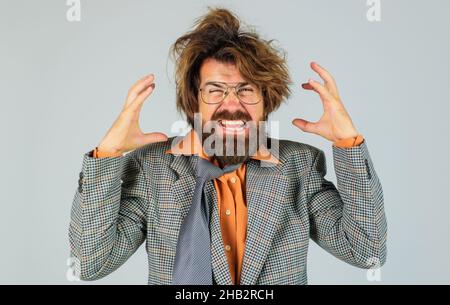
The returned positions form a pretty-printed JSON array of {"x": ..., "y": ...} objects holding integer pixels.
[{"x": 227, "y": 218}]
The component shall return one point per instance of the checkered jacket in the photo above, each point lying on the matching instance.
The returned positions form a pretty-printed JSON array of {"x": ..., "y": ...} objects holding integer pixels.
[{"x": 145, "y": 194}]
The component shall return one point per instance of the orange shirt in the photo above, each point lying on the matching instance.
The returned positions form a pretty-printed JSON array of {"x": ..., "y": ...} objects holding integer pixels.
[{"x": 231, "y": 196}]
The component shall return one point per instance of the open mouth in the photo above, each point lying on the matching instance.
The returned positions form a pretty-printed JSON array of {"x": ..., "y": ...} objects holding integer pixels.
[{"x": 233, "y": 125}]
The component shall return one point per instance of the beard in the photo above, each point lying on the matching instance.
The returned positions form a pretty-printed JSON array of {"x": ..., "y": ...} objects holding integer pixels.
[{"x": 230, "y": 148}]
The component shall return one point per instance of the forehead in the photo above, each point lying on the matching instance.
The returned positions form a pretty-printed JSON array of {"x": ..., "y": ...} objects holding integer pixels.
[{"x": 213, "y": 70}]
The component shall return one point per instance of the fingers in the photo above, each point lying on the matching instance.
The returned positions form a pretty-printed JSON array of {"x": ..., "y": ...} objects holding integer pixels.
[
  {"x": 330, "y": 83},
  {"x": 140, "y": 91},
  {"x": 139, "y": 101},
  {"x": 155, "y": 137},
  {"x": 141, "y": 84},
  {"x": 307, "y": 86},
  {"x": 325, "y": 95},
  {"x": 305, "y": 126},
  {"x": 139, "y": 87}
]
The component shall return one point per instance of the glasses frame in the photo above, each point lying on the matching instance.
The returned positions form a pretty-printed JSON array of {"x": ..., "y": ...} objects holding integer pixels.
[{"x": 227, "y": 91}]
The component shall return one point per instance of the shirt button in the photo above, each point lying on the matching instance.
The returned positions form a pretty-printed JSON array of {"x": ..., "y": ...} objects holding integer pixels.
[
  {"x": 228, "y": 212},
  {"x": 233, "y": 180},
  {"x": 227, "y": 248}
]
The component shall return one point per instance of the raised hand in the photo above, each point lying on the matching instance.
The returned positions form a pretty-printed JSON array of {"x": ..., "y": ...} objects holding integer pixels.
[
  {"x": 125, "y": 133},
  {"x": 335, "y": 123}
]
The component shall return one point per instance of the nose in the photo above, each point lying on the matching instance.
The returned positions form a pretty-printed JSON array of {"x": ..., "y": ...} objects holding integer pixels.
[{"x": 231, "y": 101}]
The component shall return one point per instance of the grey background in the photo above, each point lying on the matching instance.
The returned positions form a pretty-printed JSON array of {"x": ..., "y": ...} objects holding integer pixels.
[{"x": 62, "y": 85}]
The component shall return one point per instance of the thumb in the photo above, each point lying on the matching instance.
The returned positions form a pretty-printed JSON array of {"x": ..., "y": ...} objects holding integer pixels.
[
  {"x": 305, "y": 125},
  {"x": 153, "y": 137}
]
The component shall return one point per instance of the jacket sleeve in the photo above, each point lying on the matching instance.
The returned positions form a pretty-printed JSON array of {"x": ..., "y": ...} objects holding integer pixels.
[
  {"x": 348, "y": 222},
  {"x": 108, "y": 218}
]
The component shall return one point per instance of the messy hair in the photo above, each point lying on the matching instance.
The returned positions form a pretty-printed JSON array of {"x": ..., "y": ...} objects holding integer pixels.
[{"x": 219, "y": 35}]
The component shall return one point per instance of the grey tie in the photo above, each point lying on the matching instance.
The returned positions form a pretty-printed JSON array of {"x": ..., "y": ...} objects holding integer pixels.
[{"x": 192, "y": 264}]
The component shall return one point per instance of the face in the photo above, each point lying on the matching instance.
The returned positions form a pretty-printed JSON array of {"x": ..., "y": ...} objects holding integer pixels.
[{"x": 231, "y": 119}]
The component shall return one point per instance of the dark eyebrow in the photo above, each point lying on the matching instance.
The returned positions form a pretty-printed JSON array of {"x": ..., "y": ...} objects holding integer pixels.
[{"x": 221, "y": 84}]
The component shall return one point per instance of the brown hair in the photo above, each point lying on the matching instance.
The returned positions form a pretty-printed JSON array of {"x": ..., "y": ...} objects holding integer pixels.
[{"x": 219, "y": 35}]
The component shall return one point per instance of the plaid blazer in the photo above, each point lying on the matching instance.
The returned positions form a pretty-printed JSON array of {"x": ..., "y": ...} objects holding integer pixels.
[{"x": 145, "y": 194}]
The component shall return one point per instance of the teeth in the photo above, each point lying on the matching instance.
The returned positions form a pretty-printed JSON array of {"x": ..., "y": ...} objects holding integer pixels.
[
  {"x": 232, "y": 124},
  {"x": 235, "y": 126}
]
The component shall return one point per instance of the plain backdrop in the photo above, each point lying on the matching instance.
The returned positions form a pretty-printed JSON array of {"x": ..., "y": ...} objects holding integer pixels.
[{"x": 62, "y": 84}]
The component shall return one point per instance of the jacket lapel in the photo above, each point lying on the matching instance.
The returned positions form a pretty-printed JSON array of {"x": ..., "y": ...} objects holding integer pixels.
[
  {"x": 265, "y": 192},
  {"x": 183, "y": 186}
]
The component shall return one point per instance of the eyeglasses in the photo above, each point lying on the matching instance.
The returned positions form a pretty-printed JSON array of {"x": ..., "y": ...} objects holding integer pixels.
[{"x": 216, "y": 92}]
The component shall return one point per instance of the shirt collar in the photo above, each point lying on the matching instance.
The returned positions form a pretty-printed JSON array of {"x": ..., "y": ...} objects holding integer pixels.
[{"x": 191, "y": 145}]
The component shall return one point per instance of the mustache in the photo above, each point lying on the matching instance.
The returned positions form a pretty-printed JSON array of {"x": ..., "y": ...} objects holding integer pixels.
[{"x": 226, "y": 115}]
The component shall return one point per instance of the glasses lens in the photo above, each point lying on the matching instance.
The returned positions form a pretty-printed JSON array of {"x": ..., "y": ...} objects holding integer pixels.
[
  {"x": 248, "y": 95},
  {"x": 214, "y": 94}
]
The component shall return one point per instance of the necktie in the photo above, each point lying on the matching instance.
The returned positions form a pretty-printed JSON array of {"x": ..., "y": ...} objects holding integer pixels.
[{"x": 192, "y": 264}]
